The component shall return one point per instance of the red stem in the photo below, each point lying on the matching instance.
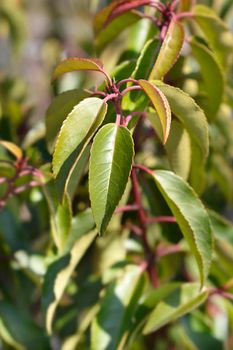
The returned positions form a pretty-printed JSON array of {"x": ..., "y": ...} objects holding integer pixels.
[
  {"x": 162, "y": 250},
  {"x": 126, "y": 208},
  {"x": 161, "y": 219},
  {"x": 143, "y": 168},
  {"x": 130, "y": 88}
]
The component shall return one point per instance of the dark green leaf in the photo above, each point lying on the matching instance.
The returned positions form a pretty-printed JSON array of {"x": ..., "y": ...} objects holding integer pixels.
[
  {"x": 113, "y": 321},
  {"x": 60, "y": 271},
  {"x": 110, "y": 164},
  {"x": 18, "y": 330}
]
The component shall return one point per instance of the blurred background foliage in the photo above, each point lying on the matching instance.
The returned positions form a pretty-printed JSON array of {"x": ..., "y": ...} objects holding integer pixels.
[{"x": 34, "y": 36}]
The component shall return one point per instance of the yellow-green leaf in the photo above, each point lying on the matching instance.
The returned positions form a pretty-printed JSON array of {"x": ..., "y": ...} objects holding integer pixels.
[
  {"x": 160, "y": 104},
  {"x": 180, "y": 301},
  {"x": 191, "y": 217},
  {"x": 212, "y": 75},
  {"x": 178, "y": 148},
  {"x": 216, "y": 33},
  {"x": 169, "y": 51},
  {"x": 13, "y": 148},
  {"x": 76, "y": 64}
]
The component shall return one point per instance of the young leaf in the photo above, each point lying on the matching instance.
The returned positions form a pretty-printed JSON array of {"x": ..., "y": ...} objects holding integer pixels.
[
  {"x": 212, "y": 75},
  {"x": 160, "y": 104},
  {"x": 110, "y": 164},
  {"x": 191, "y": 216},
  {"x": 178, "y": 148},
  {"x": 112, "y": 322},
  {"x": 189, "y": 113},
  {"x": 57, "y": 112},
  {"x": 125, "y": 6},
  {"x": 60, "y": 271},
  {"x": 12, "y": 148},
  {"x": 169, "y": 51},
  {"x": 216, "y": 32},
  {"x": 75, "y": 64},
  {"x": 179, "y": 302},
  {"x": 76, "y": 128}
]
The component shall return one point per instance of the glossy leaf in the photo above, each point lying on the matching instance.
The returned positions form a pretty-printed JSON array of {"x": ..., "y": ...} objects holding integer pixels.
[
  {"x": 76, "y": 128},
  {"x": 212, "y": 75},
  {"x": 12, "y": 148},
  {"x": 76, "y": 64},
  {"x": 57, "y": 112},
  {"x": 160, "y": 104},
  {"x": 178, "y": 148},
  {"x": 179, "y": 302},
  {"x": 110, "y": 164},
  {"x": 190, "y": 114},
  {"x": 169, "y": 51},
  {"x": 60, "y": 271},
  {"x": 191, "y": 217},
  {"x": 216, "y": 32},
  {"x": 112, "y": 322}
]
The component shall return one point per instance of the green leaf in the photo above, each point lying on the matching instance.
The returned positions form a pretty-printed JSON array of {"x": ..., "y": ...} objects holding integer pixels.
[
  {"x": 194, "y": 120},
  {"x": 169, "y": 51},
  {"x": 76, "y": 64},
  {"x": 189, "y": 113},
  {"x": 60, "y": 214},
  {"x": 109, "y": 32},
  {"x": 57, "y": 112},
  {"x": 197, "y": 171},
  {"x": 60, "y": 271},
  {"x": 113, "y": 321},
  {"x": 212, "y": 75},
  {"x": 74, "y": 136},
  {"x": 160, "y": 104},
  {"x": 178, "y": 149},
  {"x": 222, "y": 228},
  {"x": 12, "y": 148},
  {"x": 179, "y": 302},
  {"x": 110, "y": 164},
  {"x": 19, "y": 331},
  {"x": 77, "y": 126},
  {"x": 146, "y": 59},
  {"x": 191, "y": 217},
  {"x": 222, "y": 173},
  {"x": 216, "y": 32}
]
